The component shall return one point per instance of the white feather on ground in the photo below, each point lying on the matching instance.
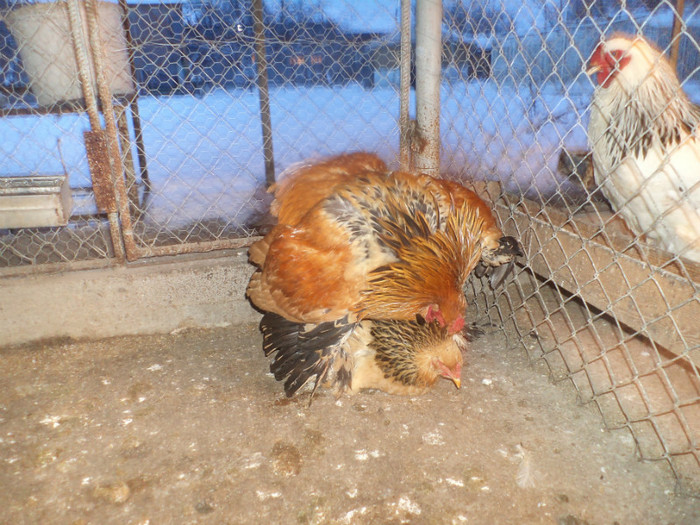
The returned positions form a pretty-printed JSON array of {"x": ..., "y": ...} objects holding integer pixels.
[{"x": 525, "y": 477}]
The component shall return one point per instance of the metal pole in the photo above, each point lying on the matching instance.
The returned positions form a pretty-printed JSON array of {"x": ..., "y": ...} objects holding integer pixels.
[
  {"x": 675, "y": 33},
  {"x": 83, "y": 61},
  {"x": 405, "y": 87},
  {"x": 132, "y": 189},
  {"x": 264, "y": 91},
  {"x": 112, "y": 134},
  {"x": 134, "y": 106},
  {"x": 428, "y": 62}
]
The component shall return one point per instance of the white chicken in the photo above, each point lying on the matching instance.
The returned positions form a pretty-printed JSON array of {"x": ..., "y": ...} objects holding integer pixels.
[{"x": 645, "y": 137}]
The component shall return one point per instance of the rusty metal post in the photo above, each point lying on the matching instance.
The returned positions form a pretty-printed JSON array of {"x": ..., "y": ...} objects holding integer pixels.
[
  {"x": 264, "y": 91},
  {"x": 428, "y": 65},
  {"x": 405, "y": 88},
  {"x": 676, "y": 33},
  {"x": 112, "y": 134},
  {"x": 95, "y": 139}
]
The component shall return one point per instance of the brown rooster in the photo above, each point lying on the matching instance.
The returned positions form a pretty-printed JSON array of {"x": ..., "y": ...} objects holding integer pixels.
[
  {"x": 398, "y": 357},
  {"x": 306, "y": 184},
  {"x": 379, "y": 247},
  {"x": 361, "y": 280}
]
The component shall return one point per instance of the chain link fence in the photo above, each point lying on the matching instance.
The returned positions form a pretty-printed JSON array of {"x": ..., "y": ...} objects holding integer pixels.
[
  {"x": 200, "y": 135},
  {"x": 190, "y": 132},
  {"x": 606, "y": 310}
]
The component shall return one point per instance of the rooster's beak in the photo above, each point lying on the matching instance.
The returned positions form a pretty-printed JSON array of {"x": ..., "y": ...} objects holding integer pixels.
[
  {"x": 592, "y": 70},
  {"x": 457, "y": 381}
]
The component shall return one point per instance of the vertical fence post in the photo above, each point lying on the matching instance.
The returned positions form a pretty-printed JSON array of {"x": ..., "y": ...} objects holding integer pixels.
[
  {"x": 264, "y": 91},
  {"x": 405, "y": 87},
  {"x": 428, "y": 65},
  {"x": 91, "y": 101},
  {"x": 111, "y": 132},
  {"x": 676, "y": 33},
  {"x": 134, "y": 106}
]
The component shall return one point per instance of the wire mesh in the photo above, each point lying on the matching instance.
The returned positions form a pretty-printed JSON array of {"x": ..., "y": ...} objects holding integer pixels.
[
  {"x": 604, "y": 307},
  {"x": 191, "y": 141}
]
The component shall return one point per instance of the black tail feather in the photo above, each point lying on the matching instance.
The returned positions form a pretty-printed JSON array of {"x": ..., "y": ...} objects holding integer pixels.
[
  {"x": 303, "y": 351},
  {"x": 510, "y": 245},
  {"x": 499, "y": 274},
  {"x": 499, "y": 263}
]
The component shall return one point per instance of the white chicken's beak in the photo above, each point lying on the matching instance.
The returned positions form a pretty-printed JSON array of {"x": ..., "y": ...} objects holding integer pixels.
[{"x": 592, "y": 70}]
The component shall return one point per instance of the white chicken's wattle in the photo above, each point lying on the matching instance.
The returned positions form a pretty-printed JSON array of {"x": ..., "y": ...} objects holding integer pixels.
[{"x": 645, "y": 136}]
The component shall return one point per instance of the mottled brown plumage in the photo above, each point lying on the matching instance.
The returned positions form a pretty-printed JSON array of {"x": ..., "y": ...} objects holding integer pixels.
[
  {"x": 381, "y": 248},
  {"x": 362, "y": 278},
  {"x": 398, "y": 357},
  {"x": 498, "y": 252},
  {"x": 431, "y": 269},
  {"x": 336, "y": 221},
  {"x": 306, "y": 184}
]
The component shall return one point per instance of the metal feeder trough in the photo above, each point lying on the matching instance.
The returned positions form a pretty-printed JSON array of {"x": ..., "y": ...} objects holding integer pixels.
[{"x": 34, "y": 201}]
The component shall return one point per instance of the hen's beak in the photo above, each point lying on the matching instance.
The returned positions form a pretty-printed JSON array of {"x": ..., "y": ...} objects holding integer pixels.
[
  {"x": 592, "y": 70},
  {"x": 454, "y": 375}
]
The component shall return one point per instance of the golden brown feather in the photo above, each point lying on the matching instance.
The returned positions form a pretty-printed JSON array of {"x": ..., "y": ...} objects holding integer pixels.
[
  {"x": 380, "y": 251},
  {"x": 430, "y": 273},
  {"x": 305, "y": 185}
]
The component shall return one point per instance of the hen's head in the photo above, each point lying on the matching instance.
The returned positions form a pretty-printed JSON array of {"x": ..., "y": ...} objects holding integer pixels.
[
  {"x": 445, "y": 361},
  {"x": 417, "y": 353},
  {"x": 629, "y": 60}
]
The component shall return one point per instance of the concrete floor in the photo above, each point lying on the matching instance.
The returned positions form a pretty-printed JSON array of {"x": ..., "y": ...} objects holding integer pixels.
[{"x": 191, "y": 428}]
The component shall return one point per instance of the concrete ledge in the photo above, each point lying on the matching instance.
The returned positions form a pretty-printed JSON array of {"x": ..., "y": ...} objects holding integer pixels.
[{"x": 156, "y": 296}]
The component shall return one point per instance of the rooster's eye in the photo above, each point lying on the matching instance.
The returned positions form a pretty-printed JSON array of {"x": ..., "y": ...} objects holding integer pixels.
[{"x": 617, "y": 59}]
